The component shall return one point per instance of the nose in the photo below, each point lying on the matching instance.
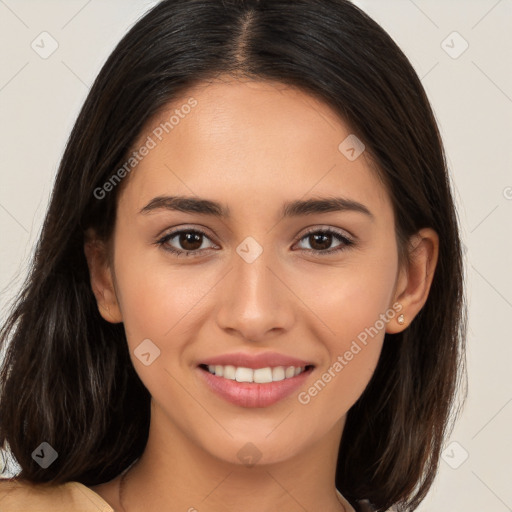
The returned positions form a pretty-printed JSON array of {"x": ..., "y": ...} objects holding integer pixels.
[{"x": 255, "y": 303}]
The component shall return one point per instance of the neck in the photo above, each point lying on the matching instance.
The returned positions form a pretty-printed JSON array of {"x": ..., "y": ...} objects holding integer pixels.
[{"x": 181, "y": 476}]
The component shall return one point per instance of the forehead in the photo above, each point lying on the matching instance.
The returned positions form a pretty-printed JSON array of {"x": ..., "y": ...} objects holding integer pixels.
[{"x": 225, "y": 138}]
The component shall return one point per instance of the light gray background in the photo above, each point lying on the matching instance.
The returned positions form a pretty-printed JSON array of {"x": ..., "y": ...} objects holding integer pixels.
[{"x": 472, "y": 98}]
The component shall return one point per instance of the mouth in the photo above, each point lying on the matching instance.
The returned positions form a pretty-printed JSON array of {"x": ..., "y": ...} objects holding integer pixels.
[
  {"x": 254, "y": 387},
  {"x": 256, "y": 375}
]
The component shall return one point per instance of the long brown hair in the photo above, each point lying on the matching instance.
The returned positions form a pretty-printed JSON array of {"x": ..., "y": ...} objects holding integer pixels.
[{"x": 67, "y": 378}]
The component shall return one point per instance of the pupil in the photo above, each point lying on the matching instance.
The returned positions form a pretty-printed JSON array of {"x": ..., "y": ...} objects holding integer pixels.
[
  {"x": 324, "y": 245},
  {"x": 190, "y": 238},
  {"x": 192, "y": 241}
]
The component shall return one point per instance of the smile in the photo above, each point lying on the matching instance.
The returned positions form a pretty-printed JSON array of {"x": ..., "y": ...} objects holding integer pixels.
[
  {"x": 253, "y": 387},
  {"x": 258, "y": 375}
]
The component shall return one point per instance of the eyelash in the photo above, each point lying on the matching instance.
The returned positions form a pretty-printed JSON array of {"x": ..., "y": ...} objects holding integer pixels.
[{"x": 346, "y": 242}]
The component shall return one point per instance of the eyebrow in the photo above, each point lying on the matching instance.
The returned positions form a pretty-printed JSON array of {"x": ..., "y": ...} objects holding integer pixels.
[{"x": 290, "y": 209}]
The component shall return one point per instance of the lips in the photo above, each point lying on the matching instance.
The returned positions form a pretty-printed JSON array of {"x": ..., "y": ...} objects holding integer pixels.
[
  {"x": 254, "y": 394},
  {"x": 255, "y": 361}
]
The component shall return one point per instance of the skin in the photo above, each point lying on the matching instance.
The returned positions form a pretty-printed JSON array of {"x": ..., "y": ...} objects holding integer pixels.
[{"x": 251, "y": 146}]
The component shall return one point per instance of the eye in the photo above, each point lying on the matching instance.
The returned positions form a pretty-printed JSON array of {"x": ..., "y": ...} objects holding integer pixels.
[
  {"x": 190, "y": 240},
  {"x": 321, "y": 239}
]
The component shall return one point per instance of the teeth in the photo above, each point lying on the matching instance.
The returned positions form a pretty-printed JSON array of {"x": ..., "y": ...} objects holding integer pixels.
[
  {"x": 243, "y": 374},
  {"x": 290, "y": 372},
  {"x": 277, "y": 373},
  {"x": 229, "y": 372},
  {"x": 262, "y": 375},
  {"x": 259, "y": 376}
]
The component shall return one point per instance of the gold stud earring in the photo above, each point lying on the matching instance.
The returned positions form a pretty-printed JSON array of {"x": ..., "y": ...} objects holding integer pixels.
[{"x": 401, "y": 319}]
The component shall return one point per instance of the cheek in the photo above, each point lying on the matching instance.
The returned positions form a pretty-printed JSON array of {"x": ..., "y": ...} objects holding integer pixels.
[
  {"x": 160, "y": 303},
  {"x": 354, "y": 304},
  {"x": 351, "y": 298},
  {"x": 354, "y": 348},
  {"x": 155, "y": 297}
]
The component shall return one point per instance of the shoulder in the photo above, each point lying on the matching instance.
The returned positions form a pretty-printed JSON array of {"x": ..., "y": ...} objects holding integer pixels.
[{"x": 23, "y": 496}]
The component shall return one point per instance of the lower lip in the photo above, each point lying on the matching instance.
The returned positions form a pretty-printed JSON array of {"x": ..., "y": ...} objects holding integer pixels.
[{"x": 250, "y": 394}]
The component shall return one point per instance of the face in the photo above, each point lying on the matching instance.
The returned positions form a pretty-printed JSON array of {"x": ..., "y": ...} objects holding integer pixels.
[{"x": 263, "y": 271}]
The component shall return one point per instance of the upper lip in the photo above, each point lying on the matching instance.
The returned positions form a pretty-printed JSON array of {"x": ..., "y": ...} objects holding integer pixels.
[{"x": 254, "y": 361}]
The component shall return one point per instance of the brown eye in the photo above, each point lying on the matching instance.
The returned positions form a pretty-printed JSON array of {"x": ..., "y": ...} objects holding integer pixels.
[
  {"x": 185, "y": 242},
  {"x": 190, "y": 241},
  {"x": 320, "y": 241}
]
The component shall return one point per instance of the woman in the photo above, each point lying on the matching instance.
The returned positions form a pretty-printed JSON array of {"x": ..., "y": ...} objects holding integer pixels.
[{"x": 247, "y": 293}]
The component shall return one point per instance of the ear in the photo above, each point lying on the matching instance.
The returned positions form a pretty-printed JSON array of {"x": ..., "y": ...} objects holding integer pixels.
[
  {"x": 415, "y": 278},
  {"x": 102, "y": 282}
]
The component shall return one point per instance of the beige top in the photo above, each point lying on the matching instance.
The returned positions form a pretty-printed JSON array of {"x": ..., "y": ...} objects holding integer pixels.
[
  {"x": 16, "y": 496},
  {"x": 69, "y": 497}
]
